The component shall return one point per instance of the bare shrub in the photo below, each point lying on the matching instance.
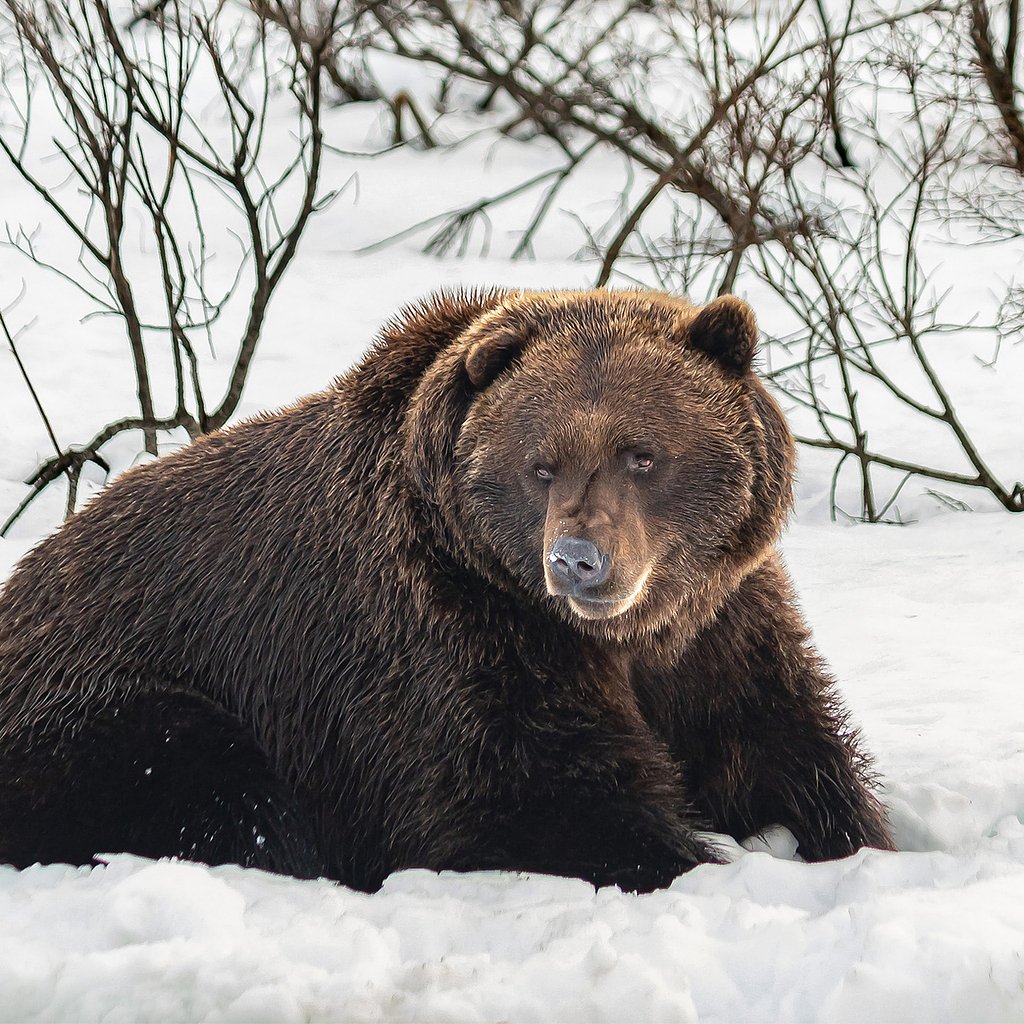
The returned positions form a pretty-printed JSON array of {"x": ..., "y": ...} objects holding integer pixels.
[
  {"x": 765, "y": 177},
  {"x": 744, "y": 163},
  {"x": 864, "y": 296},
  {"x": 134, "y": 146}
]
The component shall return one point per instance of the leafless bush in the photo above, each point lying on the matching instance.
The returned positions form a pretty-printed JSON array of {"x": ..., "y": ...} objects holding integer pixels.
[
  {"x": 749, "y": 112},
  {"x": 342, "y": 52},
  {"x": 742, "y": 162},
  {"x": 995, "y": 62},
  {"x": 981, "y": 82},
  {"x": 862, "y": 293},
  {"x": 759, "y": 83},
  {"x": 134, "y": 146}
]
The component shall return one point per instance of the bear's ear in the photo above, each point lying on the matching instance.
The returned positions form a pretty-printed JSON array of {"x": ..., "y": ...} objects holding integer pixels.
[
  {"x": 475, "y": 353},
  {"x": 726, "y": 330},
  {"x": 492, "y": 343}
]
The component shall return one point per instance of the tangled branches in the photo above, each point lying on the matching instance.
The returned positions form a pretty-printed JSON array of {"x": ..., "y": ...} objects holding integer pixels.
[{"x": 136, "y": 147}]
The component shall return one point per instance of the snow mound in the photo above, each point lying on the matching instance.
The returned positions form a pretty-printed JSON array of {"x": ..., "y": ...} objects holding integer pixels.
[{"x": 910, "y": 937}]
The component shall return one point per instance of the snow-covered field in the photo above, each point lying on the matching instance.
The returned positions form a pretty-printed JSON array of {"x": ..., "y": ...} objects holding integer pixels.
[{"x": 923, "y": 624}]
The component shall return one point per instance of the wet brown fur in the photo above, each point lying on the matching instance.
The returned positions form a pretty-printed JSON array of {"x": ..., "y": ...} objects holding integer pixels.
[{"x": 324, "y": 641}]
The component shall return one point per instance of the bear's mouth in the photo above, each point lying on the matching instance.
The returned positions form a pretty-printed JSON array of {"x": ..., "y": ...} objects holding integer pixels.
[
  {"x": 606, "y": 606},
  {"x": 600, "y": 608}
]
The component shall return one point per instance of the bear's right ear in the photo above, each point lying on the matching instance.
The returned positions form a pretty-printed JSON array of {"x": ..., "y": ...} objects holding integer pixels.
[
  {"x": 489, "y": 351},
  {"x": 726, "y": 330},
  {"x": 468, "y": 365},
  {"x": 494, "y": 340}
]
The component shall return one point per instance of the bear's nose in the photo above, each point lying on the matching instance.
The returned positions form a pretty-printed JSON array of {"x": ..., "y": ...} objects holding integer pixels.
[{"x": 579, "y": 562}]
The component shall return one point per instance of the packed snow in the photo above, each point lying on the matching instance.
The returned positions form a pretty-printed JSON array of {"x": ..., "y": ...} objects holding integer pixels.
[{"x": 923, "y": 625}]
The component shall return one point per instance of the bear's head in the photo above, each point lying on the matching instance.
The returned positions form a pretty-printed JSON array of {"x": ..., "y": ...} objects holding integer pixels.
[{"x": 610, "y": 454}]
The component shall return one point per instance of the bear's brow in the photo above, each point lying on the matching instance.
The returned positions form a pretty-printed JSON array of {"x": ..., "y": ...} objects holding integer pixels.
[{"x": 638, "y": 444}]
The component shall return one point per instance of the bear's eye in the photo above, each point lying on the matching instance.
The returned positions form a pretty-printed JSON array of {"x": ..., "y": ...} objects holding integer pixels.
[
  {"x": 640, "y": 462},
  {"x": 545, "y": 473}
]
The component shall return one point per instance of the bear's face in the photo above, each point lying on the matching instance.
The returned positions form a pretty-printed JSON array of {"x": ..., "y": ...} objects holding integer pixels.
[{"x": 607, "y": 464}]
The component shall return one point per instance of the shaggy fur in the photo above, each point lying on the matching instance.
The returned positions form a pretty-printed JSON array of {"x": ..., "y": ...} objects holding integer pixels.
[{"x": 329, "y": 640}]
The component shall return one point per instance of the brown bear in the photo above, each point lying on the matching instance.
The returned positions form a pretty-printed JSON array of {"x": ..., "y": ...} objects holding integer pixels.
[{"x": 504, "y": 596}]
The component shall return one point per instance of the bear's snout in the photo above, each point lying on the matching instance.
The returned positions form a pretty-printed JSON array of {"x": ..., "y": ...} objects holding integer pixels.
[{"x": 579, "y": 564}]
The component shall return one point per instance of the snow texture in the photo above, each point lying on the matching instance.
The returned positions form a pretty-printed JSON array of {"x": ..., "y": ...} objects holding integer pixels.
[{"x": 923, "y": 625}]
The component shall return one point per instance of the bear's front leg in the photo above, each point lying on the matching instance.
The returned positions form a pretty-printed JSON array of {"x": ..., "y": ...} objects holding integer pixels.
[
  {"x": 780, "y": 765},
  {"x": 763, "y": 735},
  {"x": 597, "y": 799}
]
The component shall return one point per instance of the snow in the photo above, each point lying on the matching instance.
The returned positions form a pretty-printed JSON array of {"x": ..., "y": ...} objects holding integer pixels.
[
  {"x": 909, "y": 937},
  {"x": 923, "y": 625}
]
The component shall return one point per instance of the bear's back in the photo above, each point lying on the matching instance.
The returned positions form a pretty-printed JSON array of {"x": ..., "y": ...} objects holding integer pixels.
[{"x": 242, "y": 565}]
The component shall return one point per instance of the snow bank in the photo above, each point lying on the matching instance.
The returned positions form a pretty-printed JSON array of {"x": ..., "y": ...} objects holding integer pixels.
[{"x": 909, "y": 937}]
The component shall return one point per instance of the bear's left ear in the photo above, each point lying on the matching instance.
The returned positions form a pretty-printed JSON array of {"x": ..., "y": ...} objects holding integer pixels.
[{"x": 726, "y": 330}]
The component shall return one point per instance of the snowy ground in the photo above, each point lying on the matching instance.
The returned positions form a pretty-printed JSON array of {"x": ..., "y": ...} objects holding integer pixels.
[{"x": 924, "y": 625}]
